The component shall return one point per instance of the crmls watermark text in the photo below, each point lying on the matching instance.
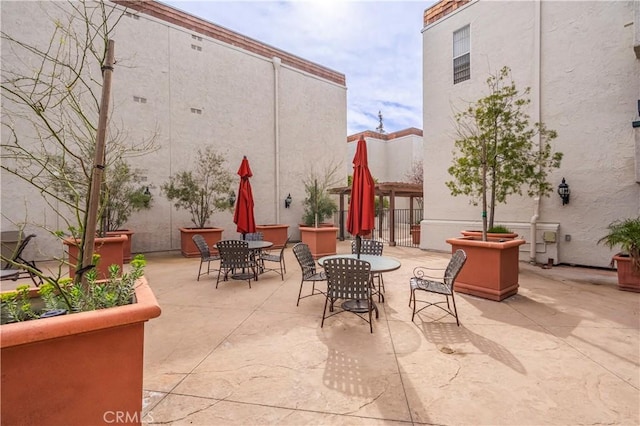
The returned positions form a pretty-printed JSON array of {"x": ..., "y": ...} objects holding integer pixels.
[{"x": 115, "y": 417}]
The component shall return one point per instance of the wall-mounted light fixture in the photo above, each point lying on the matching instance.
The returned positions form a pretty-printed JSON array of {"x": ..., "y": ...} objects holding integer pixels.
[
  {"x": 232, "y": 199},
  {"x": 564, "y": 192},
  {"x": 147, "y": 192},
  {"x": 287, "y": 201}
]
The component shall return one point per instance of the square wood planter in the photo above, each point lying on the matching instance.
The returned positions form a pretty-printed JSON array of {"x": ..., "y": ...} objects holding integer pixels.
[
  {"x": 110, "y": 250},
  {"x": 126, "y": 248},
  {"x": 321, "y": 241},
  {"x": 492, "y": 267},
  {"x": 277, "y": 234},
  {"x": 76, "y": 369},
  {"x": 628, "y": 280},
  {"x": 188, "y": 247}
]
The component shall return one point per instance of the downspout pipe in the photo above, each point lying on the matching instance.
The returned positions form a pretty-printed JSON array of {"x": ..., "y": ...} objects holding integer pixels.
[
  {"x": 536, "y": 78},
  {"x": 276, "y": 130}
]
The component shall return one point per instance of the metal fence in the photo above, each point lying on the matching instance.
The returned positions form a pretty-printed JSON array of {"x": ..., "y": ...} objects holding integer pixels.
[{"x": 402, "y": 220}]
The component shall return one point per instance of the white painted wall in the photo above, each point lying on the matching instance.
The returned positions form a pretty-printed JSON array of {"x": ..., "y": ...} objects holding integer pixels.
[
  {"x": 588, "y": 90},
  {"x": 234, "y": 89}
]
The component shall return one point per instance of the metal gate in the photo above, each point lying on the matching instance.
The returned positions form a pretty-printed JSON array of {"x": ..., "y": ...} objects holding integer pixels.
[{"x": 402, "y": 235}]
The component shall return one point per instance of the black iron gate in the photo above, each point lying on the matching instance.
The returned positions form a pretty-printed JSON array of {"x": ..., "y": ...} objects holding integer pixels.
[{"x": 404, "y": 234}]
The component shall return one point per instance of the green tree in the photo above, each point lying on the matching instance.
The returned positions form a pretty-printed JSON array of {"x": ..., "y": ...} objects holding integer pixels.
[
  {"x": 202, "y": 191},
  {"x": 495, "y": 155}
]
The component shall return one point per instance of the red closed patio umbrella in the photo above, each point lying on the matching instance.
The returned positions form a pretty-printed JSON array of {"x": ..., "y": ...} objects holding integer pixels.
[
  {"x": 243, "y": 215},
  {"x": 360, "y": 218}
]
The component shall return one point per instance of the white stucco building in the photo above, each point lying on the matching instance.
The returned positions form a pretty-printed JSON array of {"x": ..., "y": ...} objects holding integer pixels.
[
  {"x": 391, "y": 155},
  {"x": 192, "y": 83},
  {"x": 582, "y": 62}
]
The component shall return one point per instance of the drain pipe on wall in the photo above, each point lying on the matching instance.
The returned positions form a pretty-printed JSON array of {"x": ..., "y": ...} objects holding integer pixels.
[
  {"x": 276, "y": 133},
  {"x": 538, "y": 112}
]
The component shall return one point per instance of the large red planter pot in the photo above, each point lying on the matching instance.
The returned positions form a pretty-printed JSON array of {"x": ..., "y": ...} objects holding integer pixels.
[
  {"x": 78, "y": 369},
  {"x": 126, "y": 248},
  {"x": 492, "y": 267},
  {"x": 415, "y": 234},
  {"x": 188, "y": 247},
  {"x": 277, "y": 234},
  {"x": 321, "y": 241},
  {"x": 110, "y": 250},
  {"x": 628, "y": 280}
]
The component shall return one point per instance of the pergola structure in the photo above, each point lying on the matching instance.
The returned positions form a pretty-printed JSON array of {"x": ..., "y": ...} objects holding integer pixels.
[{"x": 384, "y": 189}]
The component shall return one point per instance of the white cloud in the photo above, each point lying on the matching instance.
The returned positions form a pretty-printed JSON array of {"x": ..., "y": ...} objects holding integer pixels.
[{"x": 377, "y": 45}]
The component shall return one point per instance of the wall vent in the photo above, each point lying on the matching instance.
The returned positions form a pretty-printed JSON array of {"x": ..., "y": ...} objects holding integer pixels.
[
  {"x": 198, "y": 48},
  {"x": 140, "y": 99},
  {"x": 196, "y": 111}
]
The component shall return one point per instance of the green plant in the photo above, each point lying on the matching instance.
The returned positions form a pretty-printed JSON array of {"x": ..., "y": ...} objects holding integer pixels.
[
  {"x": 495, "y": 155},
  {"x": 69, "y": 296},
  {"x": 318, "y": 204},
  {"x": 123, "y": 195},
  {"x": 625, "y": 234},
  {"x": 499, "y": 229},
  {"x": 203, "y": 191}
]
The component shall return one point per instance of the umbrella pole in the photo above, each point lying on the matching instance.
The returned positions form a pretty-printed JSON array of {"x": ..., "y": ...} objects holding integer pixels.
[{"x": 358, "y": 244}]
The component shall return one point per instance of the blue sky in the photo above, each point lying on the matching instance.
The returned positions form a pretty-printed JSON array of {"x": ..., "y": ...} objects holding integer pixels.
[{"x": 376, "y": 44}]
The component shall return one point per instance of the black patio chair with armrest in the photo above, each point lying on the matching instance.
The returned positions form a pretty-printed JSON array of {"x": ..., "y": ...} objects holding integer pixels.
[
  {"x": 309, "y": 272},
  {"x": 266, "y": 257},
  {"x": 372, "y": 247},
  {"x": 234, "y": 256},
  {"x": 13, "y": 271},
  {"x": 442, "y": 285},
  {"x": 350, "y": 280},
  {"x": 205, "y": 254}
]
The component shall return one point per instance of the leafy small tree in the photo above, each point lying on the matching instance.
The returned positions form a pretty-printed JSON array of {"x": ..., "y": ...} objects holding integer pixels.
[
  {"x": 124, "y": 194},
  {"x": 318, "y": 204},
  {"x": 626, "y": 234},
  {"x": 495, "y": 155},
  {"x": 202, "y": 191}
]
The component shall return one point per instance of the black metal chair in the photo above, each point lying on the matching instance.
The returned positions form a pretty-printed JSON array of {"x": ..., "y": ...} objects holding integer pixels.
[
  {"x": 12, "y": 269},
  {"x": 309, "y": 272},
  {"x": 372, "y": 247},
  {"x": 350, "y": 280},
  {"x": 275, "y": 258},
  {"x": 254, "y": 236},
  {"x": 443, "y": 285},
  {"x": 234, "y": 256},
  {"x": 205, "y": 254}
]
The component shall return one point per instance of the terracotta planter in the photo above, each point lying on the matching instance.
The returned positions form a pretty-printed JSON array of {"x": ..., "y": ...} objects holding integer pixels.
[
  {"x": 415, "y": 234},
  {"x": 628, "y": 280},
  {"x": 77, "y": 369},
  {"x": 187, "y": 246},
  {"x": 126, "y": 248},
  {"x": 321, "y": 241},
  {"x": 277, "y": 234},
  {"x": 501, "y": 236},
  {"x": 110, "y": 250},
  {"x": 492, "y": 267}
]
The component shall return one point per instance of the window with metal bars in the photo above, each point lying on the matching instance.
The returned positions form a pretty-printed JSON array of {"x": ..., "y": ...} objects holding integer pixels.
[{"x": 462, "y": 54}]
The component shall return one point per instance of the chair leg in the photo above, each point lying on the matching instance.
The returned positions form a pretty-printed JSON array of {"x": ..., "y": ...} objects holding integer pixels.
[
  {"x": 413, "y": 296},
  {"x": 199, "y": 269},
  {"x": 300, "y": 292},
  {"x": 455, "y": 310},
  {"x": 370, "y": 320},
  {"x": 324, "y": 311}
]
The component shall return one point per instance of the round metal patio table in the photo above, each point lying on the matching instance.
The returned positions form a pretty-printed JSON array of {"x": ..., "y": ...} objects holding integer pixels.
[{"x": 378, "y": 264}]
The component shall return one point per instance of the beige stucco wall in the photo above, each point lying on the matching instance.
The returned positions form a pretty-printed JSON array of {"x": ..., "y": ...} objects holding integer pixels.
[
  {"x": 585, "y": 82},
  {"x": 236, "y": 92}
]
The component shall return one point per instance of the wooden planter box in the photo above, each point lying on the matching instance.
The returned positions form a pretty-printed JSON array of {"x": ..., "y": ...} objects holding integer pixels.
[
  {"x": 76, "y": 369},
  {"x": 277, "y": 234},
  {"x": 492, "y": 267},
  {"x": 188, "y": 247},
  {"x": 321, "y": 241},
  {"x": 110, "y": 250},
  {"x": 628, "y": 280},
  {"x": 415, "y": 234},
  {"x": 126, "y": 248}
]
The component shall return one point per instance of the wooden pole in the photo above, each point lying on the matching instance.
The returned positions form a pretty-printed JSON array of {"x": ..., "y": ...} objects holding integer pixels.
[{"x": 99, "y": 160}]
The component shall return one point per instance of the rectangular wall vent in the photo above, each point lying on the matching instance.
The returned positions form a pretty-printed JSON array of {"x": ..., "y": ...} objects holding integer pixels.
[
  {"x": 195, "y": 37},
  {"x": 131, "y": 15},
  {"x": 198, "y": 48},
  {"x": 140, "y": 99},
  {"x": 196, "y": 111}
]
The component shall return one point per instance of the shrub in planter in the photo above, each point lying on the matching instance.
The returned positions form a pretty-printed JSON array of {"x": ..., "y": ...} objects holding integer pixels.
[{"x": 626, "y": 235}]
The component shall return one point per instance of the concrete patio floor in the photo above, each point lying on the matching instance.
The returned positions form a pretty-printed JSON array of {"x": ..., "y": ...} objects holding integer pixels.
[{"x": 565, "y": 350}]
